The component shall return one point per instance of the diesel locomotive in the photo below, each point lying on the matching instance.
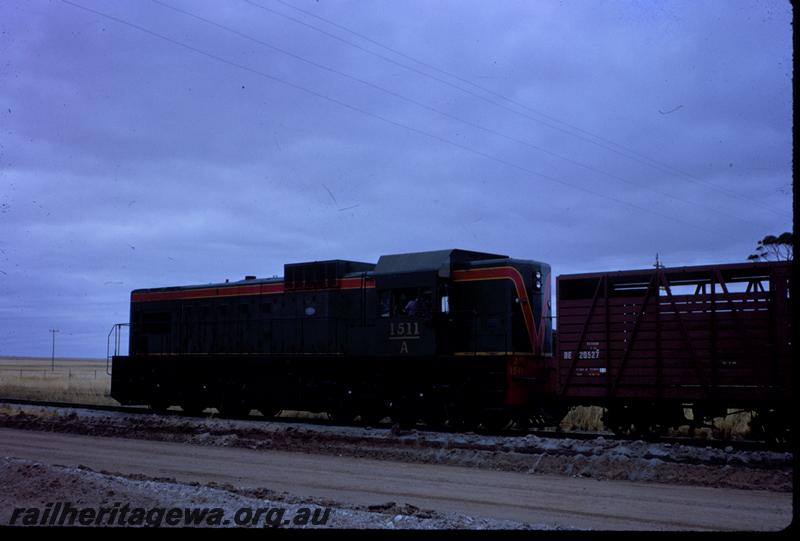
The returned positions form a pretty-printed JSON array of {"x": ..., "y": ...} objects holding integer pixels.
[
  {"x": 466, "y": 339},
  {"x": 445, "y": 336}
]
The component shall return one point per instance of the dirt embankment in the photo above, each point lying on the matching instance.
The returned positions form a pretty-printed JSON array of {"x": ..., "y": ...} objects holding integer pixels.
[
  {"x": 597, "y": 458},
  {"x": 139, "y": 501}
]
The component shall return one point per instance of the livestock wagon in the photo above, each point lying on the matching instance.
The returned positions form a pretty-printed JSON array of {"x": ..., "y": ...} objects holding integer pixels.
[{"x": 649, "y": 345}]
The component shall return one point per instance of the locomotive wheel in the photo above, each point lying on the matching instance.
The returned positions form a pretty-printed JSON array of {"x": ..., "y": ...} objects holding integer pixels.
[
  {"x": 435, "y": 414},
  {"x": 495, "y": 421},
  {"x": 406, "y": 417},
  {"x": 371, "y": 412},
  {"x": 463, "y": 420},
  {"x": 193, "y": 408},
  {"x": 233, "y": 402},
  {"x": 435, "y": 420},
  {"x": 371, "y": 419},
  {"x": 545, "y": 416},
  {"x": 269, "y": 411},
  {"x": 234, "y": 407},
  {"x": 234, "y": 411},
  {"x": 405, "y": 420},
  {"x": 342, "y": 415},
  {"x": 521, "y": 422},
  {"x": 159, "y": 406}
]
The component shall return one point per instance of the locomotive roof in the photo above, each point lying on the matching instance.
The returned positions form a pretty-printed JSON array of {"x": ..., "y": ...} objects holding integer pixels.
[
  {"x": 428, "y": 261},
  {"x": 392, "y": 264},
  {"x": 251, "y": 281}
]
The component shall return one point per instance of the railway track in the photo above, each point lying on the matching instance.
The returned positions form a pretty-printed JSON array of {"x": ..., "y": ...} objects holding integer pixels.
[{"x": 733, "y": 445}]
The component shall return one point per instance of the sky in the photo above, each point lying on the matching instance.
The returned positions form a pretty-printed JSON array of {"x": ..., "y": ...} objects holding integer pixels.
[{"x": 148, "y": 143}]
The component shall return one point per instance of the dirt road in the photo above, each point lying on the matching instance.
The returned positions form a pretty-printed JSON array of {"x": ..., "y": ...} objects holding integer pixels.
[{"x": 564, "y": 501}]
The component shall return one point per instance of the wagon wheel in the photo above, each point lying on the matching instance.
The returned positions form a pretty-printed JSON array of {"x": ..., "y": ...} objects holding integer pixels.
[
  {"x": 619, "y": 421},
  {"x": 623, "y": 430},
  {"x": 650, "y": 429},
  {"x": 771, "y": 425},
  {"x": 636, "y": 426}
]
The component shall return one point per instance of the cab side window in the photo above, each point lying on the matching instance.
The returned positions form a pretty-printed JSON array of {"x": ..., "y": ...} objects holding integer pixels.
[{"x": 409, "y": 302}]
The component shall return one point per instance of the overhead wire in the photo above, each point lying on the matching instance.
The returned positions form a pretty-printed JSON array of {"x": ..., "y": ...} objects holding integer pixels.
[
  {"x": 443, "y": 113},
  {"x": 597, "y": 141},
  {"x": 382, "y": 118}
]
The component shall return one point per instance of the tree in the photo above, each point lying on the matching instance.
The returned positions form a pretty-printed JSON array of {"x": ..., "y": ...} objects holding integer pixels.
[{"x": 772, "y": 248}]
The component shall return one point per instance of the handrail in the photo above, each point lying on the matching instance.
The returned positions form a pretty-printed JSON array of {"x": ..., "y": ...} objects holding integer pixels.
[{"x": 116, "y": 331}]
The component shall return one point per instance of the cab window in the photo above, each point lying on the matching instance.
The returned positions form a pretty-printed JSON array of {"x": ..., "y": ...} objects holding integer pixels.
[{"x": 408, "y": 302}]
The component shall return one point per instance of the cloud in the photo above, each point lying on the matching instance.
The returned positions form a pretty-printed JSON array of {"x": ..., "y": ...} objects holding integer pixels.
[{"x": 128, "y": 161}]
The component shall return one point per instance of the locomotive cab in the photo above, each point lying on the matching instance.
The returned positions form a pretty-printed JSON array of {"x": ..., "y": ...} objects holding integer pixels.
[
  {"x": 406, "y": 314},
  {"x": 413, "y": 301}
]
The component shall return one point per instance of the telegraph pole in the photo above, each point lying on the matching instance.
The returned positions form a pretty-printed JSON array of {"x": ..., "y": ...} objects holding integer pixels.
[{"x": 53, "y": 358}]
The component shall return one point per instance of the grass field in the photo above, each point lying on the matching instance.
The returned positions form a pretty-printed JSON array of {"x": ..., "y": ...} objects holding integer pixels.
[{"x": 79, "y": 381}]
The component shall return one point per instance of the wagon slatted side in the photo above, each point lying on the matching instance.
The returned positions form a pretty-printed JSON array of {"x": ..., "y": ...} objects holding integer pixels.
[{"x": 710, "y": 333}]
